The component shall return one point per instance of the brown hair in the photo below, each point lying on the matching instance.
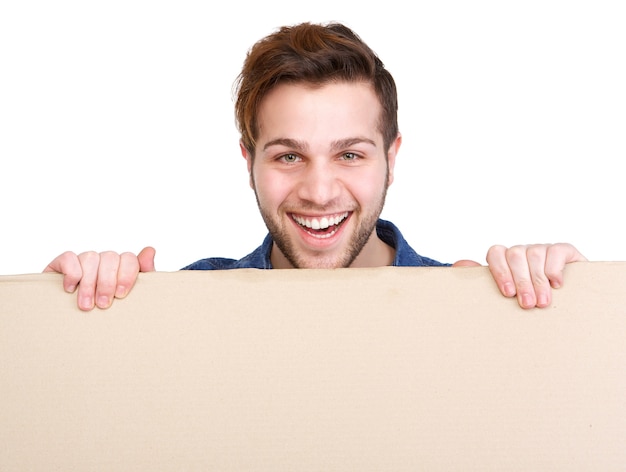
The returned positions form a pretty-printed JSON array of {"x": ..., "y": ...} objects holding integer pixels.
[{"x": 315, "y": 54}]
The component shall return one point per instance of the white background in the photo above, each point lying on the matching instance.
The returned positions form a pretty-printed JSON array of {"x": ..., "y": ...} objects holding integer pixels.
[{"x": 117, "y": 128}]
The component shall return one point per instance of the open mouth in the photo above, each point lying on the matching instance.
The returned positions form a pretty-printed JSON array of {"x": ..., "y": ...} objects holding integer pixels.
[{"x": 321, "y": 227}]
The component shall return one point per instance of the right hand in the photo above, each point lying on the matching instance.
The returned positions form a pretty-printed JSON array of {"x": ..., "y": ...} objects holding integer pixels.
[{"x": 101, "y": 277}]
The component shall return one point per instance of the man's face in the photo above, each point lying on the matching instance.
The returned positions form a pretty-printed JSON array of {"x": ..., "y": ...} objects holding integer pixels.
[{"x": 321, "y": 174}]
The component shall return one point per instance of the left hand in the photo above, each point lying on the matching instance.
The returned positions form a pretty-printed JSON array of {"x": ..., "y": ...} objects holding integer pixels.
[{"x": 529, "y": 272}]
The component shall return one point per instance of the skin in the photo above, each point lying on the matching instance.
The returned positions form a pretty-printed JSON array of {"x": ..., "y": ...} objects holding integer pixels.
[{"x": 320, "y": 154}]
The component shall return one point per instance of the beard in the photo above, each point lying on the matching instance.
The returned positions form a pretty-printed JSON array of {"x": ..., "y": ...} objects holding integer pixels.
[{"x": 365, "y": 227}]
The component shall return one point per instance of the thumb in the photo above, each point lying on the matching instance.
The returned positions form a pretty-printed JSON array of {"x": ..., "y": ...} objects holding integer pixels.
[
  {"x": 465, "y": 263},
  {"x": 146, "y": 259}
]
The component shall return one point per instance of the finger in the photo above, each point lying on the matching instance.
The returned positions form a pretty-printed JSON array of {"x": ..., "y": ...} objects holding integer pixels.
[
  {"x": 536, "y": 260},
  {"x": 89, "y": 261},
  {"x": 107, "y": 278},
  {"x": 68, "y": 265},
  {"x": 126, "y": 274},
  {"x": 146, "y": 259},
  {"x": 499, "y": 268},
  {"x": 557, "y": 257},
  {"x": 517, "y": 260}
]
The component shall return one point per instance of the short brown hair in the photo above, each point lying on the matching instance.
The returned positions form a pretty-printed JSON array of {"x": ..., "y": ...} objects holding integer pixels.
[{"x": 315, "y": 54}]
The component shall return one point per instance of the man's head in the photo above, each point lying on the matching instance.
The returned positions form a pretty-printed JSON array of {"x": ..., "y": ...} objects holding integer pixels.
[{"x": 317, "y": 113}]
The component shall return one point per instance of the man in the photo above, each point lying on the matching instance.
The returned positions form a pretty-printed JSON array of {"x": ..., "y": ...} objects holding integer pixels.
[{"x": 317, "y": 113}]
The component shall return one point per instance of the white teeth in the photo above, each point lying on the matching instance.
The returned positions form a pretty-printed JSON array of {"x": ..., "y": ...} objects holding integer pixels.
[{"x": 320, "y": 223}]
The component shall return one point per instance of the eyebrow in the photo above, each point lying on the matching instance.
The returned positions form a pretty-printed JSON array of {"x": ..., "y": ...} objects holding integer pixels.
[
  {"x": 290, "y": 143},
  {"x": 349, "y": 142},
  {"x": 302, "y": 146}
]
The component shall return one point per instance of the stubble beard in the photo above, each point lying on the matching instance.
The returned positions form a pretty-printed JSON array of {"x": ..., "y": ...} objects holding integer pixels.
[{"x": 360, "y": 237}]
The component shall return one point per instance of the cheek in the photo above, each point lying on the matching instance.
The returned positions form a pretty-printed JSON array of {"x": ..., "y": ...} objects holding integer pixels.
[
  {"x": 369, "y": 186},
  {"x": 271, "y": 188}
]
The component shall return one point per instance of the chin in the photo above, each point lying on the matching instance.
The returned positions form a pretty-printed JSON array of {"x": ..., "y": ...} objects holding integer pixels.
[{"x": 325, "y": 262}]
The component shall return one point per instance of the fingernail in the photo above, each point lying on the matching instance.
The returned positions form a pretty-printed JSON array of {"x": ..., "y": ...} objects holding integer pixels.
[
  {"x": 85, "y": 303},
  {"x": 527, "y": 300},
  {"x": 509, "y": 289},
  {"x": 103, "y": 301},
  {"x": 120, "y": 292}
]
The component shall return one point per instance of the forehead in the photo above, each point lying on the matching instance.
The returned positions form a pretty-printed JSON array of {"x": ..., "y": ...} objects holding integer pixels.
[{"x": 315, "y": 113}]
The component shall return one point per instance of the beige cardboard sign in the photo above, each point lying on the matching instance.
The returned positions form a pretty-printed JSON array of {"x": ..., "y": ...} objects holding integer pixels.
[{"x": 385, "y": 369}]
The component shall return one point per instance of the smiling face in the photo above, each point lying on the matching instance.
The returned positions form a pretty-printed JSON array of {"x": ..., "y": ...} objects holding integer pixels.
[{"x": 320, "y": 175}]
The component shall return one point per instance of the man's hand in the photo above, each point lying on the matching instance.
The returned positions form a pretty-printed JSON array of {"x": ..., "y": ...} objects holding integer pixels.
[
  {"x": 100, "y": 277},
  {"x": 529, "y": 272}
]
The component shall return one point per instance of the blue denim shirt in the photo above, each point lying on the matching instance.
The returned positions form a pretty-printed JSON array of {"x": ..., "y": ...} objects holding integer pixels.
[{"x": 260, "y": 257}]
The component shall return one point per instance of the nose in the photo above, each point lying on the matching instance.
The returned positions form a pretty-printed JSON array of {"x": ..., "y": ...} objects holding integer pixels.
[{"x": 319, "y": 183}]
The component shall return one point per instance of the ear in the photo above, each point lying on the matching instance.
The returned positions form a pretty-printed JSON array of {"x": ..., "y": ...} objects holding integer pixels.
[
  {"x": 391, "y": 157},
  {"x": 248, "y": 157}
]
